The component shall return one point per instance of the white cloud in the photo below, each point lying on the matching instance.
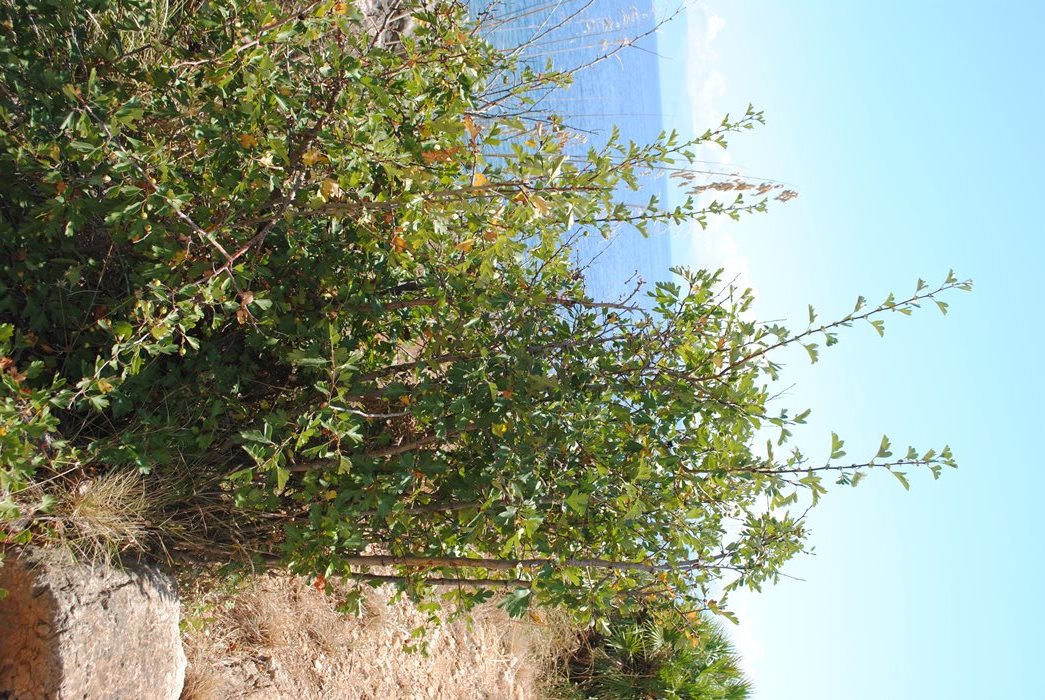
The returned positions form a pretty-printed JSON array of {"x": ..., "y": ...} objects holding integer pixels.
[
  {"x": 713, "y": 248},
  {"x": 704, "y": 81},
  {"x": 706, "y": 90},
  {"x": 713, "y": 86},
  {"x": 744, "y": 636},
  {"x": 715, "y": 24},
  {"x": 706, "y": 85}
]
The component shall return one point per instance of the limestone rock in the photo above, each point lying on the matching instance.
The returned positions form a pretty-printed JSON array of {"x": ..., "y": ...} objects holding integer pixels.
[{"x": 72, "y": 631}]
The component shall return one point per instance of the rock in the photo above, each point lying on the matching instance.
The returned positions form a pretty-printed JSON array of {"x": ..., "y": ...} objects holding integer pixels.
[{"x": 72, "y": 631}]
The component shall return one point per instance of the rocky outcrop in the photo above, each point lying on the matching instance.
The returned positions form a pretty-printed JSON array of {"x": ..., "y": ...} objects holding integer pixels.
[{"x": 73, "y": 631}]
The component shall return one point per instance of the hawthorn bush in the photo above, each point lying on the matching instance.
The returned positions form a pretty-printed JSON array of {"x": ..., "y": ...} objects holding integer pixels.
[{"x": 312, "y": 285}]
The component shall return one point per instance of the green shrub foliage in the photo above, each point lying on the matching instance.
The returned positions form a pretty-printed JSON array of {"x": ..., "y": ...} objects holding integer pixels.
[{"x": 316, "y": 280}]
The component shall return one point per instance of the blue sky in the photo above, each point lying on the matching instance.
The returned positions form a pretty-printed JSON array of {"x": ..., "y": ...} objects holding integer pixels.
[{"x": 912, "y": 131}]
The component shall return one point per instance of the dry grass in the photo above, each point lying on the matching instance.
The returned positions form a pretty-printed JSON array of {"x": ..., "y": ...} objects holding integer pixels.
[
  {"x": 276, "y": 637},
  {"x": 98, "y": 518},
  {"x": 202, "y": 686},
  {"x": 108, "y": 517}
]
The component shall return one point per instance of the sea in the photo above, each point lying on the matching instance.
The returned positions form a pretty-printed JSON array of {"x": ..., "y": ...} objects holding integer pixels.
[{"x": 622, "y": 90}]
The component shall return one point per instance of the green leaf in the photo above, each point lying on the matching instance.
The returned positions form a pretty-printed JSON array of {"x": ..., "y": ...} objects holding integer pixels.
[
  {"x": 883, "y": 450},
  {"x": 282, "y": 476},
  {"x": 243, "y": 475},
  {"x": 517, "y": 602},
  {"x": 722, "y": 612},
  {"x": 814, "y": 354},
  {"x": 812, "y": 481},
  {"x": 122, "y": 330},
  {"x": 300, "y": 357},
  {"x": 836, "y": 446},
  {"x": 578, "y": 502},
  {"x": 255, "y": 436},
  {"x": 902, "y": 478}
]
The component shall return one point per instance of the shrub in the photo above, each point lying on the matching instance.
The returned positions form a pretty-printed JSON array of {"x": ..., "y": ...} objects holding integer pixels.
[{"x": 325, "y": 286}]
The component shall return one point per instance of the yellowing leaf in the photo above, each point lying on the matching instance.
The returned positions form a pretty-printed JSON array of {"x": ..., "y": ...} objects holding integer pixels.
[
  {"x": 466, "y": 246},
  {"x": 479, "y": 180},
  {"x": 398, "y": 243},
  {"x": 470, "y": 126},
  {"x": 405, "y": 400},
  {"x": 439, "y": 155},
  {"x": 60, "y": 186},
  {"x": 499, "y": 429},
  {"x": 330, "y": 189},
  {"x": 490, "y": 235},
  {"x": 312, "y": 157},
  {"x": 248, "y": 140},
  {"x": 540, "y": 204}
]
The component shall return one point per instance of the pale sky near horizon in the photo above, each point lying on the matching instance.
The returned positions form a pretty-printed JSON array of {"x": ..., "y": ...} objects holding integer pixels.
[{"x": 912, "y": 131}]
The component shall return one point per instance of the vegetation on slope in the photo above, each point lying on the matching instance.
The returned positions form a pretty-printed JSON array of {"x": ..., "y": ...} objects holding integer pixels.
[{"x": 311, "y": 292}]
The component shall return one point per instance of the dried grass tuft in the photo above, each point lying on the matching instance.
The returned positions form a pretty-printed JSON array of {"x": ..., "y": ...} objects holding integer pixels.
[
  {"x": 202, "y": 684},
  {"x": 98, "y": 518}
]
